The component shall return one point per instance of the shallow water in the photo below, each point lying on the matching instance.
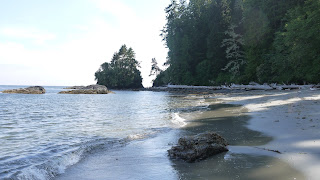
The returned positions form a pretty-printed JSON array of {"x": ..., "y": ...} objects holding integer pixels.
[
  {"x": 229, "y": 121},
  {"x": 42, "y": 135},
  {"x": 147, "y": 158},
  {"x": 124, "y": 136}
]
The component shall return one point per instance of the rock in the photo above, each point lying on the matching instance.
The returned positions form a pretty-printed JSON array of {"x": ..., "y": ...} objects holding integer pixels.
[
  {"x": 28, "y": 90},
  {"x": 92, "y": 89},
  {"x": 74, "y": 87},
  {"x": 198, "y": 147}
]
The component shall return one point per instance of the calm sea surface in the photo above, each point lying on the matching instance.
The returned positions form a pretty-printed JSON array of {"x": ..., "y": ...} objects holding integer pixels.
[{"x": 41, "y": 135}]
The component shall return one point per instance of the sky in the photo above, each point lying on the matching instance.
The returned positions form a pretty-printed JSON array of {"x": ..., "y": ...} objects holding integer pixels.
[{"x": 64, "y": 42}]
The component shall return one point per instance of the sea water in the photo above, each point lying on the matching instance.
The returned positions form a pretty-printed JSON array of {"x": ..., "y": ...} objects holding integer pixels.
[
  {"x": 124, "y": 135},
  {"x": 42, "y": 135}
]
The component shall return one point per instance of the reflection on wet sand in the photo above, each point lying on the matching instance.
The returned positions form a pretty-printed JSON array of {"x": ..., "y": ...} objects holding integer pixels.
[
  {"x": 230, "y": 121},
  {"x": 237, "y": 166}
]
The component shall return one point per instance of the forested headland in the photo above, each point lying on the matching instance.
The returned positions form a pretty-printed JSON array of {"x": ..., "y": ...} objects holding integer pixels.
[{"x": 213, "y": 42}]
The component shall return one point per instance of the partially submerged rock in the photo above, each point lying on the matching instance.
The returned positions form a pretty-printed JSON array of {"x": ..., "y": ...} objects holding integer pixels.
[
  {"x": 74, "y": 87},
  {"x": 28, "y": 90},
  {"x": 198, "y": 147},
  {"x": 92, "y": 89}
]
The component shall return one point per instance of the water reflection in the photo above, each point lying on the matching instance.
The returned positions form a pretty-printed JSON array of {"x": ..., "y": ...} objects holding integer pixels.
[
  {"x": 231, "y": 121},
  {"x": 238, "y": 166}
]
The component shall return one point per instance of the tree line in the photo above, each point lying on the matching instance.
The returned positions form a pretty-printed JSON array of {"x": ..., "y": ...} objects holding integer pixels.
[{"x": 212, "y": 42}]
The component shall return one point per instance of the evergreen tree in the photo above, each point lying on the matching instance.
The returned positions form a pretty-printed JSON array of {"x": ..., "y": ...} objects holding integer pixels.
[
  {"x": 234, "y": 51},
  {"x": 122, "y": 72},
  {"x": 155, "y": 70},
  {"x": 297, "y": 47},
  {"x": 255, "y": 40}
]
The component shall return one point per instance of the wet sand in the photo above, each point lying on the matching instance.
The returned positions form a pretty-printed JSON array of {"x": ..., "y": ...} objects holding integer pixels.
[
  {"x": 245, "y": 160},
  {"x": 147, "y": 158},
  {"x": 292, "y": 118}
]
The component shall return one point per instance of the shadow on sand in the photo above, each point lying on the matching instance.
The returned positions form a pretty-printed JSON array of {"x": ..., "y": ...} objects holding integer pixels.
[{"x": 231, "y": 122}]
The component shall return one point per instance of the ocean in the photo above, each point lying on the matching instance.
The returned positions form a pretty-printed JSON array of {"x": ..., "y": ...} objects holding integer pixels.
[{"x": 125, "y": 135}]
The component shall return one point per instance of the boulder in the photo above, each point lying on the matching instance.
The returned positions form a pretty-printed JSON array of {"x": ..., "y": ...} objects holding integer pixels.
[
  {"x": 74, "y": 87},
  {"x": 28, "y": 90},
  {"x": 198, "y": 147},
  {"x": 92, "y": 89}
]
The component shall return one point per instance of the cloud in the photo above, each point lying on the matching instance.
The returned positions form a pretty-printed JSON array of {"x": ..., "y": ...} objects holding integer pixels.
[
  {"x": 74, "y": 60},
  {"x": 35, "y": 35},
  {"x": 116, "y": 8}
]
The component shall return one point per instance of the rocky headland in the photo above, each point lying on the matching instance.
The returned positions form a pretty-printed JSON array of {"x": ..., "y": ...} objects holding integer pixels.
[
  {"x": 91, "y": 89},
  {"x": 28, "y": 90}
]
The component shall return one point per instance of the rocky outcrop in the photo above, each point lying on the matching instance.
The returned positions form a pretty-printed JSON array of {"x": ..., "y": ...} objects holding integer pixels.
[
  {"x": 74, "y": 87},
  {"x": 28, "y": 90},
  {"x": 198, "y": 147},
  {"x": 92, "y": 89}
]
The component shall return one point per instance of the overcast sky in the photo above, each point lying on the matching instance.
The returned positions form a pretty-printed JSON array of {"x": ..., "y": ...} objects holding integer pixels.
[{"x": 63, "y": 42}]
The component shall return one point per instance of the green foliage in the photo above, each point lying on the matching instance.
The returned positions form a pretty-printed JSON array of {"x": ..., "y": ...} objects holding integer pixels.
[
  {"x": 220, "y": 41},
  {"x": 262, "y": 21},
  {"x": 193, "y": 35},
  {"x": 298, "y": 45},
  {"x": 162, "y": 79},
  {"x": 122, "y": 72},
  {"x": 234, "y": 51}
]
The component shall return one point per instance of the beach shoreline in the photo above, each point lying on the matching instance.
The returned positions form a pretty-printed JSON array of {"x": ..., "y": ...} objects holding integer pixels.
[
  {"x": 227, "y": 113},
  {"x": 292, "y": 118}
]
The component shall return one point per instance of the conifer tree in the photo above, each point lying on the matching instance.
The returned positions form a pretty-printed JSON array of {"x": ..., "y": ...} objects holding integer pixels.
[{"x": 122, "y": 72}]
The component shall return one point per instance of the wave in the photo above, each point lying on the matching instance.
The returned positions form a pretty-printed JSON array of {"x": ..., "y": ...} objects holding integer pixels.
[
  {"x": 57, "y": 164},
  {"x": 178, "y": 120}
]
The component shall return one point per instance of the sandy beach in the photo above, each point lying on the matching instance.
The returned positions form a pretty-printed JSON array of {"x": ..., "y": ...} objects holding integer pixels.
[{"x": 292, "y": 118}]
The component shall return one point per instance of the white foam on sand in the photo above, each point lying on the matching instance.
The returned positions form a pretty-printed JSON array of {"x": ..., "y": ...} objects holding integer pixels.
[
  {"x": 178, "y": 120},
  {"x": 292, "y": 118}
]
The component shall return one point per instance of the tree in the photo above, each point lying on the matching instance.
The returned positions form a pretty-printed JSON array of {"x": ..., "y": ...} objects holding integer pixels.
[
  {"x": 262, "y": 21},
  {"x": 234, "y": 51},
  {"x": 155, "y": 70},
  {"x": 193, "y": 35},
  {"x": 122, "y": 72},
  {"x": 255, "y": 40},
  {"x": 297, "y": 47}
]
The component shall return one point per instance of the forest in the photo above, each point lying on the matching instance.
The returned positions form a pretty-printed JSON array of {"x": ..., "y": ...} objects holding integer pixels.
[{"x": 214, "y": 42}]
